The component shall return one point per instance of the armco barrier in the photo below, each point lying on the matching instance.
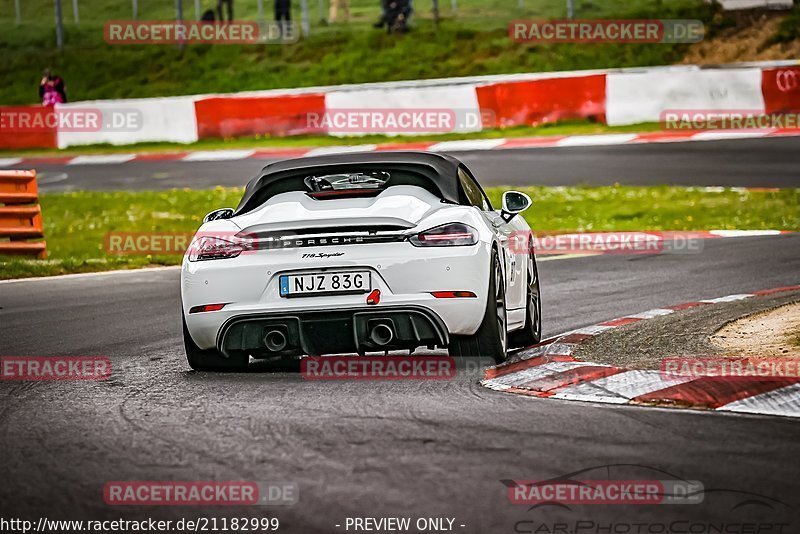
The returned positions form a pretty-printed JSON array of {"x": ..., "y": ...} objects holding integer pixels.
[
  {"x": 232, "y": 116},
  {"x": 20, "y": 214},
  {"x": 537, "y": 102}
]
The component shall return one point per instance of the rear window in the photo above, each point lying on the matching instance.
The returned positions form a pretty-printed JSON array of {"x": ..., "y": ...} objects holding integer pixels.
[
  {"x": 348, "y": 181},
  {"x": 361, "y": 180}
]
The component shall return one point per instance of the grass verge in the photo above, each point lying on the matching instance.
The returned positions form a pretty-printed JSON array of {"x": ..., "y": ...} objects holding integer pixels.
[
  {"x": 76, "y": 224},
  {"x": 473, "y": 41}
]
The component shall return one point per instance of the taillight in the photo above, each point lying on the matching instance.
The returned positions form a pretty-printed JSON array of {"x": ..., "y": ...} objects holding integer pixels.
[
  {"x": 206, "y": 308},
  {"x": 454, "y": 294},
  {"x": 213, "y": 248},
  {"x": 446, "y": 235}
]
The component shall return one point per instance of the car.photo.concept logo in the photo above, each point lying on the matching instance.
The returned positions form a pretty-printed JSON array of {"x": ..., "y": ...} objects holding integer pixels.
[{"x": 567, "y": 504}]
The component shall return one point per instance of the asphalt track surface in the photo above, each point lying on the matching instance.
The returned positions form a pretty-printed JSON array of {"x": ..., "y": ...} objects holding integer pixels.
[
  {"x": 765, "y": 162},
  {"x": 376, "y": 448}
]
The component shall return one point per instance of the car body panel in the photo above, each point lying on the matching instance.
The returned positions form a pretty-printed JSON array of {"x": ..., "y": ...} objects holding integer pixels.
[{"x": 406, "y": 275}]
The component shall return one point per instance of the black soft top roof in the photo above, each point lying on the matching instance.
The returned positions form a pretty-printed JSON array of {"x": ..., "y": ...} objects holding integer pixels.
[{"x": 440, "y": 170}]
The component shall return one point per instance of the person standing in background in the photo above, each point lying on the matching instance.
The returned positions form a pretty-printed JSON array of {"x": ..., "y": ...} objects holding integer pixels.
[
  {"x": 283, "y": 16},
  {"x": 229, "y": 9},
  {"x": 334, "y": 10},
  {"x": 52, "y": 90}
]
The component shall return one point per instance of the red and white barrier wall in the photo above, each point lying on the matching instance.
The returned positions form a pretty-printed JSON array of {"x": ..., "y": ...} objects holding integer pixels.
[{"x": 614, "y": 97}]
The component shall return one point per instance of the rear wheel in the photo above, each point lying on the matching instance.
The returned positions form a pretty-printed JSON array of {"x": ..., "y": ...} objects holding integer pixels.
[
  {"x": 531, "y": 333},
  {"x": 210, "y": 360},
  {"x": 491, "y": 339}
]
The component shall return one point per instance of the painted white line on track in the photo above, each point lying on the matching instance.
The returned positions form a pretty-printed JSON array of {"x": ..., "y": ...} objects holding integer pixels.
[
  {"x": 218, "y": 155},
  {"x": 597, "y": 140},
  {"x": 467, "y": 144},
  {"x": 101, "y": 159},
  {"x": 729, "y": 298},
  {"x": 9, "y": 162},
  {"x": 456, "y": 145},
  {"x": 722, "y": 136},
  {"x": 649, "y": 314},
  {"x": 744, "y": 233},
  {"x": 592, "y": 330},
  {"x": 328, "y": 150},
  {"x": 88, "y": 275},
  {"x": 567, "y": 256}
]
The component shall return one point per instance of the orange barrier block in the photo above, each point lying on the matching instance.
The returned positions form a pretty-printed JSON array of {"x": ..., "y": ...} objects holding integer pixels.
[
  {"x": 14, "y": 248},
  {"x": 18, "y": 187},
  {"x": 19, "y": 222}
]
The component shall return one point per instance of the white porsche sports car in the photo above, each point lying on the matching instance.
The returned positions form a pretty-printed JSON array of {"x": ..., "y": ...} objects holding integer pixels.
[{"x": 360, "y": 253}]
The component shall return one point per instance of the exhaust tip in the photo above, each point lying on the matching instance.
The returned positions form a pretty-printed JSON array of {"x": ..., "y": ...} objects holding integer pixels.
[
  {"x": 275, "y": 340},
  {"x": 381, "y": 334}
]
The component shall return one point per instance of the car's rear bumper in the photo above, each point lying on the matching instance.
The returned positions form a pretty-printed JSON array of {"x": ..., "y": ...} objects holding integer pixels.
[
  {"x": 406, "y": 276},
  {"x": 332, "y": 331}
]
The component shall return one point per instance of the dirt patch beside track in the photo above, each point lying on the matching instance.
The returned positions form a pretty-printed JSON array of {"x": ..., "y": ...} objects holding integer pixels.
[
  {"x": 684, "y": 333},
  {"x": 769, "y": 333}
]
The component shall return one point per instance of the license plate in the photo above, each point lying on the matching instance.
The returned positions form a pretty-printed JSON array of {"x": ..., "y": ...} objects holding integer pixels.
[{"x": 303, "y": 285}]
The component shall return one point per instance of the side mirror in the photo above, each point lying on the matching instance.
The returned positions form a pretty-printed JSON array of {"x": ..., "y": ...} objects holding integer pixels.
[
  {"x": 222, "y": 213},
  {"x": 514, "y": 202}
]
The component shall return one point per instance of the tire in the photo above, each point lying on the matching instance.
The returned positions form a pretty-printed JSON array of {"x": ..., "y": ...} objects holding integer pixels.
[
  {"x": 491, "y": 339},
  {"x": 209, "y": 360},
  {"x": 531, "y": 333}
]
